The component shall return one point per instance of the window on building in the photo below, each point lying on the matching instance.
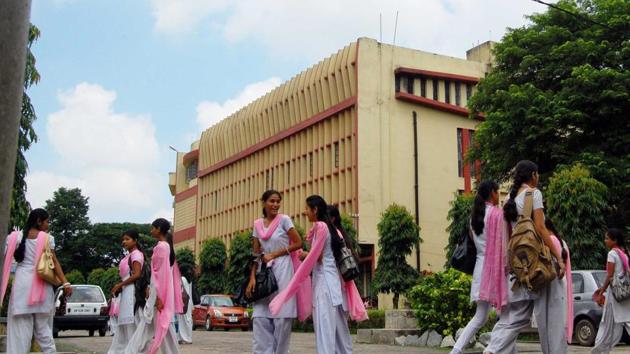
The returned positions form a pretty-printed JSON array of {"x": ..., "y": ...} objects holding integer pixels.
[
  {"x": 460, "y": 152},
  {"x": 271, "y": 185},
  {"x": 310, "y": 164},
  {"x": 289, "y": 173},
  {"x": 336, "y": 154},
  {"x": 423, "y": 87},
  {"x": 435, "y": 89},
  {"x": 458, "y": 94},
  {"x": 468, "y": 92},
  {"x": 447, "y": 91},
  {"x": 397, "y": 83},
  {"x": 267, "y": 185},
  {"x": 191, "y": 171},
  {"x": 410, "y": 81}
]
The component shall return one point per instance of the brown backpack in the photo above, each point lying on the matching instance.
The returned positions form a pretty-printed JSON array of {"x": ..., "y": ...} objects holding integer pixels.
[{"x": 530, "y": 259}]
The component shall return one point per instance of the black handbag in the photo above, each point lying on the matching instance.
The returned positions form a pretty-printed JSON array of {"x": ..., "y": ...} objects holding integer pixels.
[
  {"x": 265, "y": 284},
  {"x": 465, "y": 254},
  {"x": 347, "y": 264}
]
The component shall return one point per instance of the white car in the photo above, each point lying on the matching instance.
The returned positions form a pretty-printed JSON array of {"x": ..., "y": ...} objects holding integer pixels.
[{"x": 86, "y": 309}]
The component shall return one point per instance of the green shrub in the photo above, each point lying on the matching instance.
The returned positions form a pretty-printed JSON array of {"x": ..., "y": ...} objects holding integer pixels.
[
  {"x": 458, "y": 217},
  {"x": 75, "y": 277},
  {"x": 240, "y": 261},
  {"x": 442, "y": 301},
  {"x": 106, "y": 279},
  {"x": 212, "y": 262}
]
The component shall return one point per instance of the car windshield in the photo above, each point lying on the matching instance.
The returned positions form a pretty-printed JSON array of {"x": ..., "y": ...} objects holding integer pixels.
[
  {"x": 600, "y": 277},
  {"x": 222, "y": 301},
  {"x": 86, "y": 294}
]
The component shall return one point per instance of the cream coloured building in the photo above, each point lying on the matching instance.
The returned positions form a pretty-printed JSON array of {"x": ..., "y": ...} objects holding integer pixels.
[{"x": 371, "y": 125}]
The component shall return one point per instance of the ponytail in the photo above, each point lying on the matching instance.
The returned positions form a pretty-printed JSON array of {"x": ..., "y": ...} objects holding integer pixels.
[
  {"x": 522, "y": 174},
  {"x": 478, "y": 214},
  {"x": 336, "y": 243},
  {"x": 335, "y": 219},
  {"x": 34, "y": 218},
  {"x": 169, "y": 239}
]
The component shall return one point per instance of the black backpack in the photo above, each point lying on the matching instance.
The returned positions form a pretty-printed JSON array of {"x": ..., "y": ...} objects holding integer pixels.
[{"x": 141, "y": 284}]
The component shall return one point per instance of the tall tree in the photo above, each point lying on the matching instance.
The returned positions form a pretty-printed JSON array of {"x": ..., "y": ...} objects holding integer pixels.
[
  {"x": 212, "y": 261},
  {"x": 103, "y": 244},
  {"x": 398, "y": 233},
  {"x": 20, "y": 207},
  {"x": 70, "y": 225},
  {"x": 186, "y": 261},
  {"x": 240, "y": 259},
  {"x": 559, "y": 93}
]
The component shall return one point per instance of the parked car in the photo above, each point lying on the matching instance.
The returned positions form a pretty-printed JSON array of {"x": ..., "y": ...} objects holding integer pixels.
[
  {"x": 219, "y": 311},
  {"x": 86, "y": 309},
  {"x": 586, "y": 313}
]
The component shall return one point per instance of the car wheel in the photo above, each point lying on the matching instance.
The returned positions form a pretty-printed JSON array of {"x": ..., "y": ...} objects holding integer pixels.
[
  {"x": 102, "y": 332},
  {"x": 91, "y": 333},
  {"x": 55, "y": 333},
  {"x": 585, "y": 332},
  {"x": 626, "y": 337},
  {"x": 208, "y": 324}
]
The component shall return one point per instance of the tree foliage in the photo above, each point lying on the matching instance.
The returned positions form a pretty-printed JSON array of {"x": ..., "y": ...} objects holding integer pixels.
[
  {"x": 576, "y": 202},
  {"x": 559, "y": 93},
  {"x": 240, "y": 261},
  {"x": 75, "y": 277},
  {"x": 106, "y": 279},
  {"x": 351, "y": 231},
  {"x": 20, "y": 207},
  {"x": 186, "y": 261},
  {"x": 398, "y": 234},
  {"x": 212, "y": 261},
  {"x": 459, "y": 218},
  {"x": 70, "y": 226},
  {"x": 103, "y": 244}
]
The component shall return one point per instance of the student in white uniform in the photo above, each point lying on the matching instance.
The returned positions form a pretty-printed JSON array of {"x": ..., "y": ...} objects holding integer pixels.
[
  {"x": 487, "y": 196},
  {"x": 128, "y": 317},
  {"x": 522, "y": 302},
  {"x": 184, "y": 321},
  {"x": 32, "y": 304},
  {"x": 329, "y": 304},
  {"x": 616, "y": 315},
  {"x": 275, "y": 237}
]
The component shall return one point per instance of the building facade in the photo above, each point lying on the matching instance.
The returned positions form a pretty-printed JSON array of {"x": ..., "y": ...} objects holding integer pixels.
[{"x": 371, "y": 125}]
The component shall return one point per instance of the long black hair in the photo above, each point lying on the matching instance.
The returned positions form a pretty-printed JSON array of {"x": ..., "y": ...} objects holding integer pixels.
[
  {"x": 552, "y": 228},
  {"x": 265, "y": 197},
  {"x": 522, "y": 174},
  {"x": 616, "y": 235},
  {"x": 317, "y": 202},
  {"x": 164, "y": 226},
  {"x": 34, "y": 218},
  {"x": 335, "y": 219},
  {"x": 478, "y": 214}
]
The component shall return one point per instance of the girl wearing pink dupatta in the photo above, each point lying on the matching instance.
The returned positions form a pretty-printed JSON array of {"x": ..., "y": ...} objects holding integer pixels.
[
  {"x": 330, "y": 306},
  {"x": 488, "y": 288},
  {"x": 156, "y": 332},
  {"x": 32, "y": 303},
  {"x": 562, "y": 287},
  {"x": 275, "y": 237}
]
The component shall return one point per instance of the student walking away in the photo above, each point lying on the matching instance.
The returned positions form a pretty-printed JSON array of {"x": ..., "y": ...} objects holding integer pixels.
[
  {"x": 184, "y": 320},
  {"x": 489, "y": 233},
  {"x": 616, "y": 314},
  {"x": 32, "y": 303},
  {"x": 130, "y": 270},
  {"x": 276, "y": 244},
  {"x": 531, "y": 261},
  {"x": 343, "y": 340},
  {"x": 560, "y": 291},
  {"x": 328, "y": 302},
  {"x": 156, "y": 331}
]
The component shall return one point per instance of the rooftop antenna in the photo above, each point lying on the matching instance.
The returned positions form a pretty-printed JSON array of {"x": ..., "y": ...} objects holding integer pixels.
[
  {"x": 395, "y": 27},
  {"x": 380, "y": 26}
]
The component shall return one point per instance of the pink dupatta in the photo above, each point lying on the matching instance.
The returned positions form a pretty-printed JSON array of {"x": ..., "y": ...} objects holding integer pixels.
[
  {"x": 304, "y": 300},
  {"x": 317, "y": 237},
  {"x": 168, "y": 291},
  {"x": 37, "y": 294},
  {"x": 493, "y": 288},
  {"x": 624, "y": 258},
  {"x": 567, "y": 275}
]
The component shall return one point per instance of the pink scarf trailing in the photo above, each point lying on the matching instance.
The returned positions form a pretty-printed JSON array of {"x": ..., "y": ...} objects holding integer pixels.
[
  {"x": 356, "y": 307},
  {"x": 569, "y": 282},
  {"x": 317, "y": 238},
  {"x": 37, "y": 294},
  {"x": 624, "y": 258},
  {"x": 167, "y": 282},
  {"x": 494, "y": 289},
  {"x": 303, "y": 299}
]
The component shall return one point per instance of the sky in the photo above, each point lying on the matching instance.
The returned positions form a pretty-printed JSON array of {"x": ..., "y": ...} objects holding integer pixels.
[{"x": 122, "y": 80}]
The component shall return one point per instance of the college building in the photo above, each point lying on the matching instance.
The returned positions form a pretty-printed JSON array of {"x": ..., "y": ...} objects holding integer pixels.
[{"x": 372, "y": 125}]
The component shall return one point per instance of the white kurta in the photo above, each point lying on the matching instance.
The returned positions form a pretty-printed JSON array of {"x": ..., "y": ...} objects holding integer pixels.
[
  {"x": 480, "y": 244},
  {"x": 24, "y": 320},
  {"x": 621, "y": 310},
  {"x": 184, "y": 321}
]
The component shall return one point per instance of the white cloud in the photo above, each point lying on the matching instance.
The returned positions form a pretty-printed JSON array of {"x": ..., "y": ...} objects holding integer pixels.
[
  {"x": 178, "y": 16},
  {"x": 211, "y": 112},
  {"x": 312, "y": 29},
  {"x": 113, "y": 157}
]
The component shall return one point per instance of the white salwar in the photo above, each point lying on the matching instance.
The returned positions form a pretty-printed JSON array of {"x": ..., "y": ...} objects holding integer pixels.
[
  {"x": 616, "y": 315},
  {"x": 126, "y": 321},
  {"x": 141, "y": 340},
  {"x": 330, "y": 319},
  {"x": 184, "y": 321},
  {"x": 24, "y": 320}
]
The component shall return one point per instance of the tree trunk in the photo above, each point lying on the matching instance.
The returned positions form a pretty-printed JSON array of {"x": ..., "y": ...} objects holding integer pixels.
[{"x": 396, "y": 295}]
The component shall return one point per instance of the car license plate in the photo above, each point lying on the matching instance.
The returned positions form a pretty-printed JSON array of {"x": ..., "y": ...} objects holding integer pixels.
[{"x": 233, "y": 319}]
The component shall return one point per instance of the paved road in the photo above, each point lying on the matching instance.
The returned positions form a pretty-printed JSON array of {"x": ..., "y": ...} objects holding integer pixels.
[{"x": 240, "y": 342}]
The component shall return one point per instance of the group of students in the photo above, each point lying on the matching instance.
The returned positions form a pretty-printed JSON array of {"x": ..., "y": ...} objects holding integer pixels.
[
  {"x": 549, "y": 308},
  {"x": 309, "y": 283}
]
